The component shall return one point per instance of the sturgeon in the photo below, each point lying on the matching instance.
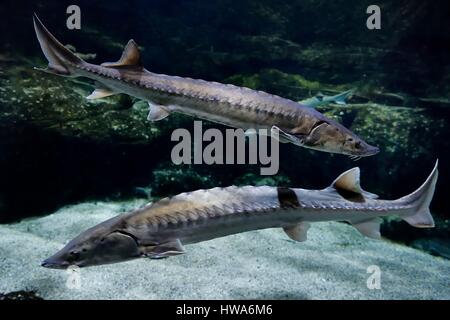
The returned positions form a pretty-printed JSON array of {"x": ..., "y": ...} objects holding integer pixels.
[
  {"x": 321, "y": 99},
  {"x": 234, "y": 106},
  {"x": 160, "y": 229}
]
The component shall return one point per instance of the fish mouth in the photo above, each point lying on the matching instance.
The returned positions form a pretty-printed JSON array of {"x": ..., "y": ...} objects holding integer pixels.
[{"x": 54, "y": 265}]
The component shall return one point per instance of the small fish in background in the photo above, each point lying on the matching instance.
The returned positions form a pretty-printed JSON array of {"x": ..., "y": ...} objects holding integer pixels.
[
  {"x": 322, "y": 100},
  {"x": 237, "y": 107},
  {"x": 161, "y": 229}
]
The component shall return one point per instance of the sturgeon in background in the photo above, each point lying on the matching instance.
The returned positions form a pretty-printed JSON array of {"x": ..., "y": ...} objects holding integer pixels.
[
  {"x": 227, "y": 104},
  {"x": 321, "y": 99},
  {"x": 160, "y": 229}
]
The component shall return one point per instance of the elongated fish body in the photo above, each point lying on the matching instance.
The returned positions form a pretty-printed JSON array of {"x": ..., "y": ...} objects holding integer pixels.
[
  {"x": 227, "y": 104},
  {"x": 207, "y": 214},
  {"x": 160, "y": 229},
  {"x": 234, "y": 106}
]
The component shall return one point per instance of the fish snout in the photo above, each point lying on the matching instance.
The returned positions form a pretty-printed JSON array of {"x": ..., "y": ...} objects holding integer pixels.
[
  {"x": 51, "y": 265},
  {"x": 55, "y": 262},
  {"x": 371, "y": 150}
]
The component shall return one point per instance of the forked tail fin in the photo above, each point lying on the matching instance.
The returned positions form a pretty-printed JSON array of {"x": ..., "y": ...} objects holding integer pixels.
[
  {"x": 342, "y": 97},
  {"x": 60, "y": 59},
  {"x": 420, "y": 201}
]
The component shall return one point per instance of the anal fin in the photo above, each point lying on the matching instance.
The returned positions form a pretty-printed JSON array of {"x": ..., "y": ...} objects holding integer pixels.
[
  {"x": 421, "y": 219},
  {"x": 298, "y": 232},
  {"x": 285, "y": 137},
  {"x": 369, "y": 228}
]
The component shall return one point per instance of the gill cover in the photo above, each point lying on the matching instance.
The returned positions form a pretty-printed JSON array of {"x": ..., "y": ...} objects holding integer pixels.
[
  {"x": 90, "y": 248},
  {"x": 118, "y": 246}
]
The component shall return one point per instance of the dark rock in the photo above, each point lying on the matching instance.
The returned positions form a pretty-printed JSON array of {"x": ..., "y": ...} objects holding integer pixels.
[
  {"x": 20, "y": 295},
  {"x": 401, "y": 231},
  {"x": 435, "y": 246},
  {"x": 435, "y": 240}
]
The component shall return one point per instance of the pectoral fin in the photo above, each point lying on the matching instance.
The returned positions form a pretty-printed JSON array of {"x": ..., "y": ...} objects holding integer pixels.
[
  {"x": 369, "y": 228},
  {"x": 164, "y": 250},
  {"x": 285, "y": 137},
  {"x": 298, "y": 232},
  {"x": 100, "y": 93},
  {"x": 156, "y": 112}
]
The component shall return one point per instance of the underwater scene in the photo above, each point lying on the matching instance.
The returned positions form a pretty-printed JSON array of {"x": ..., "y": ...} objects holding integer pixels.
[{"x": 253, "y": 149}]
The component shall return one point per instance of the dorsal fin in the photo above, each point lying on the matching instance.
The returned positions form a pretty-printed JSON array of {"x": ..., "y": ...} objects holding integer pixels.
[
  {"x": 349, "y": 182},
  {"x": 131, "y": 57}
]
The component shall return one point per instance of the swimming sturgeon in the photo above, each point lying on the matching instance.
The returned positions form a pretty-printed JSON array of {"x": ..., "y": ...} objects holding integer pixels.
[
  {"x": 321, "y": 99},
  {"x": 160, "y": 229},
  {"x": 227, "y": 104}
]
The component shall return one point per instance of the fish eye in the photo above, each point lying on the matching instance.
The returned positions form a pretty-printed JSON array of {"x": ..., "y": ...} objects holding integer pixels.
[
  {"x": 358, "y": 145},
  {"x": 84, "y": 250}
]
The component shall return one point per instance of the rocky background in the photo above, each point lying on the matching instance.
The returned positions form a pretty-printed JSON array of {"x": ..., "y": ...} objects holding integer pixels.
[{"x": 57, "y": 148}]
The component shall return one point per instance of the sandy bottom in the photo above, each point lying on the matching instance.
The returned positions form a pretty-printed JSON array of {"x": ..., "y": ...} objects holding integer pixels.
[{"x": 265, "y": 264}]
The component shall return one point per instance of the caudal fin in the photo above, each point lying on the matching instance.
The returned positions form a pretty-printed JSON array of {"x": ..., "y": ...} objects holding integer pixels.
[
  {"x": 420, "y": 201},
  {"x": 60, "y": 59}
]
